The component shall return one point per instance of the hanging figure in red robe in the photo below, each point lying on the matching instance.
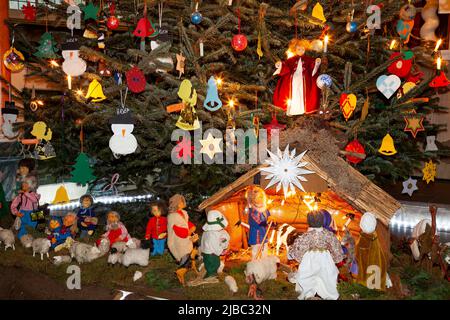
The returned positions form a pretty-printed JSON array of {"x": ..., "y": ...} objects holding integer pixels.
[{"x": 296, "y": 90}]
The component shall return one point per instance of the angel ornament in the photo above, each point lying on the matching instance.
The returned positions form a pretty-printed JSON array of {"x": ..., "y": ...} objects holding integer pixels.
[{"x": 296, "y": 90}]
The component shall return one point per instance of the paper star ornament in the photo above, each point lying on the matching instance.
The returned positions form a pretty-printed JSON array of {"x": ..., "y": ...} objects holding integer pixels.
[
  {"x": 429, "y": 171},
  {"x": 414, "y": 123},
  {"x": 286, "y": 170},
  {"x": 90, "y": 11},
  {"x": 211, "y": 146},
  {"x": 29, "y": 11},
  {"x": 409, "y": 186}
]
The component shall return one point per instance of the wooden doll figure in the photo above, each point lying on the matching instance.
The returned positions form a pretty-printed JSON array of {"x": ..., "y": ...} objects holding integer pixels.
[{"x": 296, "y": 90}]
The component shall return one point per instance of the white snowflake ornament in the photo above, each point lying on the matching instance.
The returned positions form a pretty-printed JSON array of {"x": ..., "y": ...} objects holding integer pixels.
[
  {"x": 409, "y": 186},
  {"x": 286, "y": 170}
]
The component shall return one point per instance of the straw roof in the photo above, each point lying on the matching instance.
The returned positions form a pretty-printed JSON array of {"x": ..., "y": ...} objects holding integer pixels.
[{"x": 365, "y": 197}]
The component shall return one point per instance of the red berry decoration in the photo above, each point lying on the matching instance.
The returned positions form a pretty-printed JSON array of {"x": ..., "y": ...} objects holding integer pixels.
[
  {"x": 239, "y": 42},
  {"x": 136, "y": 80},
  {"x": 112, "y": 23},
  {"x": 355, "y": 147}
]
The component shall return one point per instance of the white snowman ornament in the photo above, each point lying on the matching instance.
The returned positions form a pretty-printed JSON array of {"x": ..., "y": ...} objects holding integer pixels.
[
  {"x": 123, "y": 142},
  {"x": 9, "y": 113},
  {"x": 73, "y": 65}
]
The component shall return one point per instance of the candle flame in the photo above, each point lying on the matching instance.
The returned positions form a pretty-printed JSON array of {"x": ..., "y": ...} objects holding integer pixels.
[
  {"x": 231, "y": 103},
  {"x": 53, "y": 63},
  {"x": 219, "y": 82}
]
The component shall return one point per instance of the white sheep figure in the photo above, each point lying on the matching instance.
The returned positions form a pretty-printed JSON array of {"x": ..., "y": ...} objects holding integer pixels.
[
  {"x": 134, "y": 243},
  {"x": 115, "y": 256},
  {"x": 120, "y": 246},
  {"x": 135, "y": 256},
  {"x": 262, "y": 269},
  {"x": 231, "y": 283},
  {"x": 7, "y": 237},
  {"x": 41, "y": 246},
  {"x": 86, "y": 253},
  {"x": 26, "y": 240},
  {"x": 58, "y": 260}
]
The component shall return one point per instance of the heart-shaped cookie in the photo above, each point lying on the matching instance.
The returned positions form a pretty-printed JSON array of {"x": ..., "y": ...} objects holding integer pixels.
[{"x": 388, "y": 85}]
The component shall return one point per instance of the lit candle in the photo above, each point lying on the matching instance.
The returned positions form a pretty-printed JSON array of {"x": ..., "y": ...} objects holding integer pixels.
[
  {"x": 392, "y": 46},
  {"x": 69, "y": 82},
  {"x": 325, "y": 48},
  {"x": 53, "y": 63},
  {"x": 438, "y": 44},
  {"x": 219, "y": 82},
  {"x": 439, "y": 63},
  {"x": 231, "y": 103}
]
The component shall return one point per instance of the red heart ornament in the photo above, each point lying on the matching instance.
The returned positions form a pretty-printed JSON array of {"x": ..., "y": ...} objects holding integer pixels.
[{"x": 136, "y": 80}]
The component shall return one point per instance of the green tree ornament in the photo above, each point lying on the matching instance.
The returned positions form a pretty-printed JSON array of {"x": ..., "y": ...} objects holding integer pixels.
[
  {"x": 47, "y": 47},
  {"x": 82, "y": 172}
]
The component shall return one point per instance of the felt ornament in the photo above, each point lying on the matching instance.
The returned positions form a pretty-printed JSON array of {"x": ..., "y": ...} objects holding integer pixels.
[
  {"x": 374, "y": 20},
  {"x": 429, "y": 171},
  {"x": 406, "y": 22},
  {"x": 180, "y": 64},
  {"x": 440, "y": 81},
  {"x": 348, "y": 104},
  {"x": 431, "y": 144},
  {"x": 409, "y": 186},
  {"x": 355, "y": 147},
  {"x": 61, "y": 196},
  {"x": 188, "y": 119},
  {"x": 273, "y": 125},
  {"x": 73, "y": 65},
  {"x": 103, "y": 69},
  {"x": 13, "y": 60},
  {"x": 401, "y": 67},
  {"x": 414, "y": 123},
  {"x": 123, "y": 142},
  {"x": 44, "y": 149},
  {"x": 184, "y": 149},
  {"x": 388, "y": 85},
  {"x": 212, "y": 101},
  {"x": 407, "y": 86},
  {"x": 145, "y": 28},
  {"x": 74, "y": 18},
  {"x": 95, "y": 92},
  {"x": 47, "y": 47},
  {"x": 29, "y": 11},
  {"x": 90, "y": 11},
  {"x": 211, "y": 146},
  {"x": 9, "y": 114},
  {"x": 387, "y": 146},
  {"x": 135, "y": 80},
  {"x": 82, "y": 172},
  {"x": 317, "y": 12}
]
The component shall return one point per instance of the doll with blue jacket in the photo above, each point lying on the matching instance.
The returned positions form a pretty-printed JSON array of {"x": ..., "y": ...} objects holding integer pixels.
[{"x": 87, "y": 221}]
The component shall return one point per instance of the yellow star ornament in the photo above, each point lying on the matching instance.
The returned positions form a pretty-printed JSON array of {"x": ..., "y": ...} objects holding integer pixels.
[{"x": 429, "y": 171}]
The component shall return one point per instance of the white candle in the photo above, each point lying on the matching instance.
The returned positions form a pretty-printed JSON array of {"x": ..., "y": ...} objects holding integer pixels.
[
  {"x": 201, "y": 48},
  {"x": 392, "y": 46},
  {"x": 439, "y": 63},
  {"x": 438, "y": 44},
  {"x": 325, "y": 48},
  {"x": 69, "y": 82}
]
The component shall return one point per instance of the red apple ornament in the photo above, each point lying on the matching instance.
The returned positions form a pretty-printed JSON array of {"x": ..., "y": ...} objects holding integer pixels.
[
  {"x": 112, "y": 23},
  {"x": 356, "y": 147}
]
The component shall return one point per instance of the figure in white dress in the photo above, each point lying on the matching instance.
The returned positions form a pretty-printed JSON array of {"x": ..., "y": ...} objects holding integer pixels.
[
  {"x": 123, "y": 141},
  {"x": 318, "y": 251}
]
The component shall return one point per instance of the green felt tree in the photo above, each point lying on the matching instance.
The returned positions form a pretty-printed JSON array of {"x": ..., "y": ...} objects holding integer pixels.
[
  {"x": 82, "y": 172},
  {"x": 47, "y": 47}
]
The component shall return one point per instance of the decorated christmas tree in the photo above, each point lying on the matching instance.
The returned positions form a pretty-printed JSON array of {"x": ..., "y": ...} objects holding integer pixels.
[
  {"x": 367, "y": 86},
  {"x": 82, "y": 172}
]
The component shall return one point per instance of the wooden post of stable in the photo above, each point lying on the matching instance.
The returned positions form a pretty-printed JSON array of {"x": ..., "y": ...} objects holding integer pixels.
[{"x": 4, "y": 46}]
